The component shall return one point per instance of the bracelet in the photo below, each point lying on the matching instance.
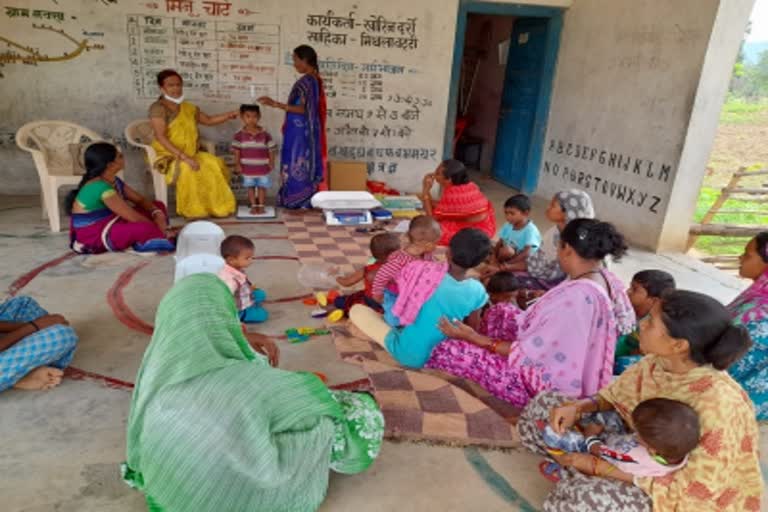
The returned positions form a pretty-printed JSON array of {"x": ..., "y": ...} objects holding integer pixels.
[
  {"x": 595, "y": 462},
  {"x": 32, "y": 322},
  {"x": 610, "y": 469},
  {"x": 156, "y": 211},
  {"x": 591, "y": 441},
  {"x": 494, "y": 345}
]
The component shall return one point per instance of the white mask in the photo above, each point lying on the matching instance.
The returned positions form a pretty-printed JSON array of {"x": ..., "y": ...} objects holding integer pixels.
[{"x": 177, "y": 101}]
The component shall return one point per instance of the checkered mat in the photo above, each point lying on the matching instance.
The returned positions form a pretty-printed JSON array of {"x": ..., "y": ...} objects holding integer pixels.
[
  {"x": 427, "y": 404},
  {"x": 315, "y": 242}
]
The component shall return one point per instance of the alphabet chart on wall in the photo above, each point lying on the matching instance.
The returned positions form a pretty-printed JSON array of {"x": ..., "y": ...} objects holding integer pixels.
[{"x": 219, "y": 60}]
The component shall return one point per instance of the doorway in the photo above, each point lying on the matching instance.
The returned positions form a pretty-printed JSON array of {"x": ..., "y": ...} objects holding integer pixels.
[{"x": 501, "y": 81}]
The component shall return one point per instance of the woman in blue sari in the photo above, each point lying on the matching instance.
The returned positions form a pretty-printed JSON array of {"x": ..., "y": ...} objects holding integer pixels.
[
  {"x": 750, "y": 309},
  {"x": 304, "y": 153}
]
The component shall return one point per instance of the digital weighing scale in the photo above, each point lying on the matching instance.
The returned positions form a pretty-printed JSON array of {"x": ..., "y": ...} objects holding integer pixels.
[{"x": 342, "y": 208}]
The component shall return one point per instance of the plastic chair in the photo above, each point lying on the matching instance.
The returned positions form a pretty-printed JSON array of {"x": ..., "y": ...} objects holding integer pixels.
[
  {"x": 48, "y": 143},
  {"x": 139, "y": 133},
  {"x": 198, "y": 249}
]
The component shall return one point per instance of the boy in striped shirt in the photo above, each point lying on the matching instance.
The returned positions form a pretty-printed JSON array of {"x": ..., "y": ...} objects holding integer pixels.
[{"x": 254, "y": 152}]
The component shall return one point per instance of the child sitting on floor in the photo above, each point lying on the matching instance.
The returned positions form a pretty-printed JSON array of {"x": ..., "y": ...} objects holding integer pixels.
[
  {"x": 519, "y": 233},
  {"x": 502, "y": 309},
  {"x": 237, "y": 252},
  {"x": 254, "y": 151},
  {"x": 646, "y": 289},
  {"x": 423, "y": 234},
  {"x": 666, "y": 431},
  {"x": 381, "y": 246}
]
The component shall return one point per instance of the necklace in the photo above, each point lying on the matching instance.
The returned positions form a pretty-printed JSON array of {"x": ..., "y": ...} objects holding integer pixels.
[{"x": 587, "y": 273}]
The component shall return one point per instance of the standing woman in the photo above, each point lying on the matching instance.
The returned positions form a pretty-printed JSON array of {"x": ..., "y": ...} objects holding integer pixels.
[
  {"x": 305, "y": 150},
  {"x": 202, "y": 187}
]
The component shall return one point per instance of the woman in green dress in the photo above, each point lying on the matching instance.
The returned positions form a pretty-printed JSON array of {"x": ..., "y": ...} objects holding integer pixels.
[{"x": 214, "y": 427}]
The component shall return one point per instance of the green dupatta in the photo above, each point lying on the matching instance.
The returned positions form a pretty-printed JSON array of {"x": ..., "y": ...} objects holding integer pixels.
[{"x": 214, "y": 428}]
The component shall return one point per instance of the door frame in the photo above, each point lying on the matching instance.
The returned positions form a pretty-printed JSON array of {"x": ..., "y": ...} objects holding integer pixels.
[{"x": 555, "y": 16}]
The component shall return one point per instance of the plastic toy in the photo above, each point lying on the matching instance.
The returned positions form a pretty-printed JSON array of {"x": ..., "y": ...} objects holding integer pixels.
[
  {"x": 335, "y": 316},
  {"x": 302, "y": 334},
  {"x": 322, "y": 299}
]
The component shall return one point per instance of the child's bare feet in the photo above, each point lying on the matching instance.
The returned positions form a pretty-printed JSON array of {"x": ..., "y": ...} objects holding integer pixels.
[{"x": 40, "y": 379}]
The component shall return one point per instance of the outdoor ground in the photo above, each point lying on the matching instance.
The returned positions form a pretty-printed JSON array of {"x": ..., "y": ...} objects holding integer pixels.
[
  {"x": 62, "y": 449},
  {"x": 740, "y": 142}
]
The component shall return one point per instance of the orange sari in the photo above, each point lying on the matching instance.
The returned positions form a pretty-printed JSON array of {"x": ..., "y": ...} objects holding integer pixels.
[{"x": 459, "y": 202}]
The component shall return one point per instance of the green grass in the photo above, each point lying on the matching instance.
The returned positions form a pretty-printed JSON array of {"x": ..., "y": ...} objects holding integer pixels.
[
  {"x": 740, "y": 111},
  {"x": 717, "y": 245}
]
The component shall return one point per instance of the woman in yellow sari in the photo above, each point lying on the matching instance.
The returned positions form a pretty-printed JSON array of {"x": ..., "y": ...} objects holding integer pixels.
[{"x": 202, "y": 185}]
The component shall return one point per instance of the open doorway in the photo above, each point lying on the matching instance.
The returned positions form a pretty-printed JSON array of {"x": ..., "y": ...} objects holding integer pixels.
[{"x": 504, "y": 61}]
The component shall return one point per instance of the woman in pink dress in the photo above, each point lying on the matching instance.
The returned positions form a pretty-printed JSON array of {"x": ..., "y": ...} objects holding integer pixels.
[{"x": 565, "y": 341}]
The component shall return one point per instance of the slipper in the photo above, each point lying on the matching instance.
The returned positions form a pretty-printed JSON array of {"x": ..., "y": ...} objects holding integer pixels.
[{"x": 550, "y": 470}]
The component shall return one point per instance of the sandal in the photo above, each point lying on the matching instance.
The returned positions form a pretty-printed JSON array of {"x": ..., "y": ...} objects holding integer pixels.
[{"x": 550, "y": 470}]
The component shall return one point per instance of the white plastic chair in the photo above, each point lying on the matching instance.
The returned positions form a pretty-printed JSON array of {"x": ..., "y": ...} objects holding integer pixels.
[
  {"x": 139, "y": 133},
  {"x": 48, "y": 143},
  {"x": 198, "y": 249}
]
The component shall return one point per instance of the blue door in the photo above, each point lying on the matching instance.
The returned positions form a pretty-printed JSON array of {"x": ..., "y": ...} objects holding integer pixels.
[{"x": 514, "y": 155}]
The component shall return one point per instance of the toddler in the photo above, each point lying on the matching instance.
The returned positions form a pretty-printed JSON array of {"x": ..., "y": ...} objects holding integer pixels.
[
  {"x": 423, "y": 234},
  {"x": 666, "y": 431},
  {"x": 382, "y": 246},
  {"x": 237, "y": 252},
  {"x": 254, "y": 152},
  {"x": 519, "y": 234},
  {"x": 500, "y": 317},
  {"x": 646, "y": 289}
]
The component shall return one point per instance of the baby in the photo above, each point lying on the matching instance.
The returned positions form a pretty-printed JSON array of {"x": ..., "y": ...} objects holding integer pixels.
[
  {"x": 237, "y": 252},
  {"x": 646, "y": 289},
  {"x": 666, "y": 431},
  {"x": 381, "y": 246},
  {"x": 423, "y": 234}
]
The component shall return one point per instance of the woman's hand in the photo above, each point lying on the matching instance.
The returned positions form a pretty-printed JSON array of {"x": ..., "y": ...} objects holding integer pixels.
[
  {"x": 459, "y": 330},
  {"x": 266, "y": 100},
  {"x": 264, "y": 345},
  {"x": 50, "y": 320},
  {"x": 427, "y": 183},
  {"x": 564, "y": 417},
  {"x": 191, "y": 162},
  {"x": 233, "y": 114}
]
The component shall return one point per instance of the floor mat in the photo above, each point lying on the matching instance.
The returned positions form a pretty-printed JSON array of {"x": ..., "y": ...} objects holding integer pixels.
[
  {"x": 315, "y": 242},
  {"x": 430, "y": 405}
]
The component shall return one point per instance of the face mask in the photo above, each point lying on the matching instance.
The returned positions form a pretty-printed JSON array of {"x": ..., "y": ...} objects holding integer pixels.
[{"x": 177, "y": 101}]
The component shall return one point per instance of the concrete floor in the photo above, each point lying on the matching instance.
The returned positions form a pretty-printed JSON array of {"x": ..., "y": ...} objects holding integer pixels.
[{"x": 62, "y": 449}]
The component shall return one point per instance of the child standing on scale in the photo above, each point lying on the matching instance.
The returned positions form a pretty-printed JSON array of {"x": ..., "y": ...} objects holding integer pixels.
[
  {"x": 423, "y": 235},
  {"x": 237, "y": 251},
  {"x": 254, "y": 151}
]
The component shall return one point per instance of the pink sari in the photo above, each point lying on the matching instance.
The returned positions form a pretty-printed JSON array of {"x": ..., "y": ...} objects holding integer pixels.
[{"x": 565, "y": 342}]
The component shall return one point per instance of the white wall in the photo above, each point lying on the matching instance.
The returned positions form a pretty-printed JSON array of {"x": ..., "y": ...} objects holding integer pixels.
[
  {"x": 631, "y": 76},
  {"x": 96, "y": 88},
  {"x": 627, "y": 77}
]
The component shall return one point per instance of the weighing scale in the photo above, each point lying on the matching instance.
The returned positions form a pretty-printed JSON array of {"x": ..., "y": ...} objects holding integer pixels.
[{"x": 341, "y": 208}]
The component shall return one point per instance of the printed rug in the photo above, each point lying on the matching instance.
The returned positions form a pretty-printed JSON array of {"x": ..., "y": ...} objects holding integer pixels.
[{"x": 427, "y": 404}]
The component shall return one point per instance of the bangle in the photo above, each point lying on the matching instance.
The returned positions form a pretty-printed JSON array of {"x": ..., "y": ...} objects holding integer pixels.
[
  {"x": 495, "y": 345},
  {"x": 610, "y": 469},
  {"x": 33, "y": 324},
  {"x": 591, "y": 441},
  {"x": 156, "y": 211}
]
